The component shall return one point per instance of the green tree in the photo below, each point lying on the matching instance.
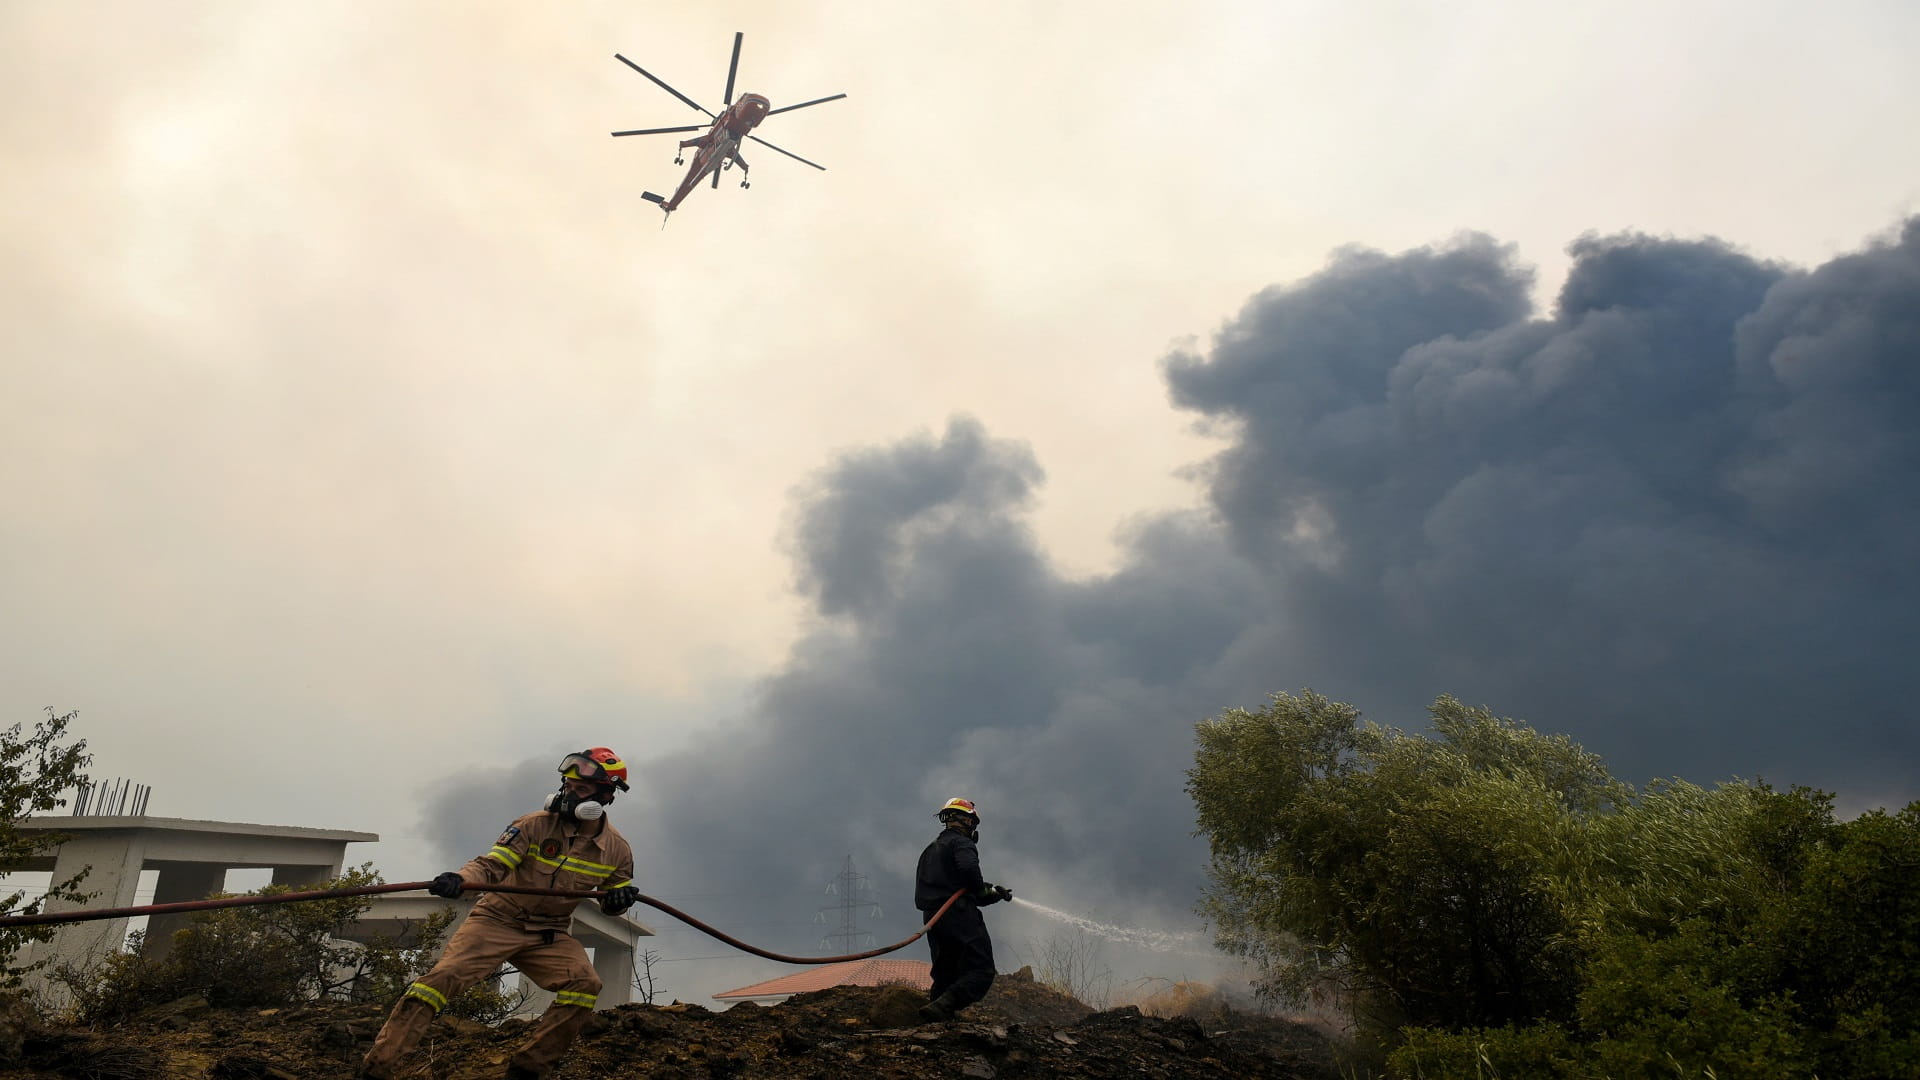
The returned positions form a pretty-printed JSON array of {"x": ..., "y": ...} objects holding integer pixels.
[
  {"x": 1846, "y": 944},
  {"x": 35, "y": 770},
  {"x": 1417, "y": 878}
]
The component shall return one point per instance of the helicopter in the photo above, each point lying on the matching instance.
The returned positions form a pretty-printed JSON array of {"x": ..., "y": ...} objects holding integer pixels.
[{"x": 718, "y": 149}]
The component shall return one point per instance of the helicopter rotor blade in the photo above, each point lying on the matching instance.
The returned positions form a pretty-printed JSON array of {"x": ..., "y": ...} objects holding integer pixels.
[
  {"x": 804, "y": 104},
  {"x": 789, "y": 153},
  {"x": 663, "y": 131},
  {"x": 733, "y": 65},
  {"x": 656, "y": 81}
]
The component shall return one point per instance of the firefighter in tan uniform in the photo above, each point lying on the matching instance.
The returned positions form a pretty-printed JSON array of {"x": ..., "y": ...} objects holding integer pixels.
[{"x": 568, "y": 844}]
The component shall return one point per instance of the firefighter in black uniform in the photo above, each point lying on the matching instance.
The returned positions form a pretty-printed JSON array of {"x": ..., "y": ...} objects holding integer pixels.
[{"x": 962, "y": 951}]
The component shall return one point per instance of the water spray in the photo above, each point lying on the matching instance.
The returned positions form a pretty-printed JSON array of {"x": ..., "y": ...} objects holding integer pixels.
[{"x": 1187, "y": 943}]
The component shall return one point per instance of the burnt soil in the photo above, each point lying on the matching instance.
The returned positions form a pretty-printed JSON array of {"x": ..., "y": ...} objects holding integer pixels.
[{"x": 1022, "y": 1029}]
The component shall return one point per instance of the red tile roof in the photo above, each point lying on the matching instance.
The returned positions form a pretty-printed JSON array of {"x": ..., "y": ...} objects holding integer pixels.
[{"x": 915, "y": 973}]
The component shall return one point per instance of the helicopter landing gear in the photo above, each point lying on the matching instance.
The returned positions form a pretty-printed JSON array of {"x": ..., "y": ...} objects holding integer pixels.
[
  {"x": 678, "y": 160},
  {"x": 727, "y": 164},
  {"x": 745, "y": 184}
]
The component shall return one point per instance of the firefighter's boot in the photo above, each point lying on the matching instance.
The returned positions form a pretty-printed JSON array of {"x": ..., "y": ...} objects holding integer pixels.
[{"x": 939, "y": 1010}]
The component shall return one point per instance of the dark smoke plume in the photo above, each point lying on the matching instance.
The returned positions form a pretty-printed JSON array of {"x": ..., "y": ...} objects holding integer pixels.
[{"x": 1673, "y": 518}]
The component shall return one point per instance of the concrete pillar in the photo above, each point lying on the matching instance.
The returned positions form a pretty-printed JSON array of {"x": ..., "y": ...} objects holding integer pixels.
[
  {"x": 615, "y": 965},
  {"x": 179, "y": 882},
  {"x": 113, "y": 863}
]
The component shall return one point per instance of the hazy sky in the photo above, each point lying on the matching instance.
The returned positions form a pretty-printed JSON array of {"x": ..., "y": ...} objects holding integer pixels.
[{"x": 368, "y": 444}]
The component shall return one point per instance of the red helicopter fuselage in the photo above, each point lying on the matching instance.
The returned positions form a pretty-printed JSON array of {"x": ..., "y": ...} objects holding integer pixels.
[{"x": 720, "y": 144}]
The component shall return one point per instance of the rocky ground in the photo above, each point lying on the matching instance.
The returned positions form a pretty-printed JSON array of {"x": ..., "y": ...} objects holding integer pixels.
[{"x": 1022, "y": 1029}]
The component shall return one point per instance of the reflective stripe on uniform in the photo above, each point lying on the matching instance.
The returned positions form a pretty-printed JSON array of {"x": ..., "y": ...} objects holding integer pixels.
[
  {"x": 505, "y": 855},
  {"x": 585, "y": 867},
  {"x": 621, "y": 885},
  {"x": 577, "y": 865},
  {"x": 575, "y": 997},
  {"x": 434, "y": 999},
  {"x": 590, "y": 869}
]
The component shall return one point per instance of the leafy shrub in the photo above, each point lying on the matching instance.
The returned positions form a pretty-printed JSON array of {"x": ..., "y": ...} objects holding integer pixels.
[
  {"x": 34, "y": 770},
  {"x": 274, "y": 955},
  {"x": 1535, "y": 1052}
]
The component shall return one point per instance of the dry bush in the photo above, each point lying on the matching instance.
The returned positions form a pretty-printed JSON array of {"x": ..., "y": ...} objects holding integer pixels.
[
  {"x": 1071, "y": 964},
  {"x": 1169, "y": 998}
]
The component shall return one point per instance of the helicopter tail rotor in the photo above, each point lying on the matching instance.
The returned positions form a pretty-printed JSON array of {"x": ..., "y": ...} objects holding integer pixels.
[{"x": 661, "y": 202}]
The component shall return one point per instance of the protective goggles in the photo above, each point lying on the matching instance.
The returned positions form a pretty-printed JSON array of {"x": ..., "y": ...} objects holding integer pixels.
[{"x": 582, "y": 767}]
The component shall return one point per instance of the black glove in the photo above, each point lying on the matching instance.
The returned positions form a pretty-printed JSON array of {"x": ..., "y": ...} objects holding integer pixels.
[
  {"x": 617, "y": 901},
  {"x": 1003, "y": 892},
  {"x": 989, "y": 894},
  {"x": 448, "y": 885}
]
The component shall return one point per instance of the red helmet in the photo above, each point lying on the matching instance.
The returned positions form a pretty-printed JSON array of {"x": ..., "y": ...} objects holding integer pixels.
[
  {"x": 598, "y": 765},
  {"x": 958, "y": 806}
]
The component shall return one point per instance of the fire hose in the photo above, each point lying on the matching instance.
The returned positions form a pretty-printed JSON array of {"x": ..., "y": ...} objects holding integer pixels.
[{"x": 87, "y": 914}]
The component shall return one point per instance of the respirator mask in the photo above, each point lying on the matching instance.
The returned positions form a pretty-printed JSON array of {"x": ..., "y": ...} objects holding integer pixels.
[
  {"x": 575, "y": 807},
  {"x": 578, "y": 807}
]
